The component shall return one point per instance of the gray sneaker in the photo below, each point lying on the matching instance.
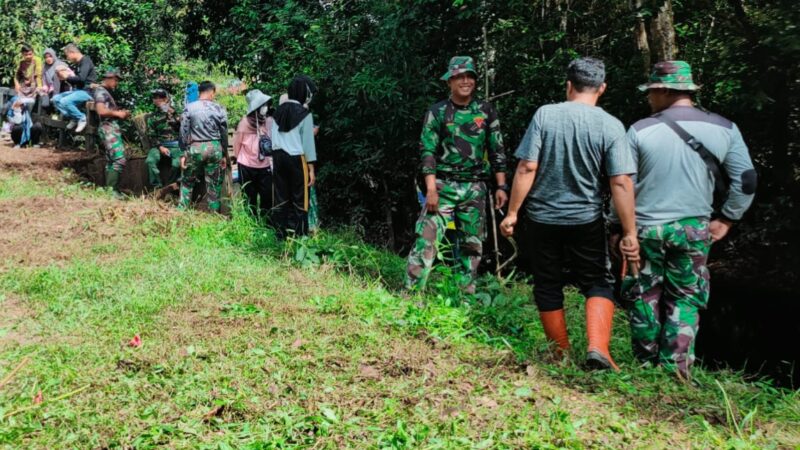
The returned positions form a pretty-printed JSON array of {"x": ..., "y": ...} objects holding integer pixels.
[{"x": 72, "y": 124}]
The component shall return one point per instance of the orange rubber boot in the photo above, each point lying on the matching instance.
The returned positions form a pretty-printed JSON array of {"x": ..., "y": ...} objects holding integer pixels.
[
  {"x": 555, "y": 328},
  {"x": 599, "y": 320}
]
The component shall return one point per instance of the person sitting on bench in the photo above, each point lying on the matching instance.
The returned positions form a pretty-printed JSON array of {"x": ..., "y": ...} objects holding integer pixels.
[{"x": 68, "y": 103}]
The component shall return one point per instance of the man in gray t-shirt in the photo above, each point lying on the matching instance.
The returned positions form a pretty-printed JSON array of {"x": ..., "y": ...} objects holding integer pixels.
[
  {"x": 567, "y": 150},
  {"x": 674, "y": 191}
]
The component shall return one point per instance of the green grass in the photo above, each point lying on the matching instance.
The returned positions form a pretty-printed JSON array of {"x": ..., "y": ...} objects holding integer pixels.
[{"x": 248, "y": 343}]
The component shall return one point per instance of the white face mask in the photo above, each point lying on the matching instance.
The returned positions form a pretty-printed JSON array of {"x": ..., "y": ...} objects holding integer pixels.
[{"x": 263, "y": 110}]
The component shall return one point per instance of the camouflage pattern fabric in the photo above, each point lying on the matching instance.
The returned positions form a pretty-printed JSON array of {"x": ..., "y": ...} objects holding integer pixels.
[
  {"x": 672, "y": 288},
  {"x": 466, "y": 203},
  {"x": 163, "y": 126},
  {"x": 111, "y": 135},
  {"x": 456, "y": 142},
  {"x": 154, "y": 157},
  {"x": 203, "y": 157},
  {"x": 459, "y": 65},
  {"x": 313, "y": 210},
  {"x": 675, "y": 75}
]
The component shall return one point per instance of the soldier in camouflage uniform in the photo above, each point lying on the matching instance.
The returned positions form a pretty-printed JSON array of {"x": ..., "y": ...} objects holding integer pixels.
[
  {"x": 204, "y": 132},
  {"x": 109, "y": 130},
  {"x": 460, "y": 141},
  {"x": 674, "y": 210},
  {"x": 163, "y": 125}
]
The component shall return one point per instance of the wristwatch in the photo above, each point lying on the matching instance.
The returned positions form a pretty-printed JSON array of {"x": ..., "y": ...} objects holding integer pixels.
[{"x": 504, "y": 187}]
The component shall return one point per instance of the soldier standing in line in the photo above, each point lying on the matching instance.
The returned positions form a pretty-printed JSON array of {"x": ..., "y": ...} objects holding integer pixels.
[
  {"x": 459, "y": 135},
  {"x": 683, "y": 154},
  {"x": 109, "y": 130},
  {"x": 204, "y": 132},
  {"x": 163, "y": 125}
]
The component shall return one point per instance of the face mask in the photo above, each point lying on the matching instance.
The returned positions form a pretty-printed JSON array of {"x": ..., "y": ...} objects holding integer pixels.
[
  {"x": 263, "y": 110},
  {"x": 164, "y": 107}
]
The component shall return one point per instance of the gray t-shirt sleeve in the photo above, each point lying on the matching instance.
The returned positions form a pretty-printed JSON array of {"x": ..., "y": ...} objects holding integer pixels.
[
  {"x": 740, "y": 169},
  {"x": 531, "y": 143},
  {"x": 307, "y": 138},
  {"x": 619, "y": 158}
]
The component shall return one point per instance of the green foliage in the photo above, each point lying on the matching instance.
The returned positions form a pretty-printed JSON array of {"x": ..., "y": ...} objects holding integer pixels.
[{"x": 378, "y": 63}]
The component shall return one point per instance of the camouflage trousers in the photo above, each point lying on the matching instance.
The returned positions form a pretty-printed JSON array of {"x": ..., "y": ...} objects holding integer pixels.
[
  {"x": 672, "y": 288},
  {"x": 111, "y": 135},
  {"x": 205, "y": 158},
  {"x": 154, "y": 157},
  {"x": 465, "y": 203}
]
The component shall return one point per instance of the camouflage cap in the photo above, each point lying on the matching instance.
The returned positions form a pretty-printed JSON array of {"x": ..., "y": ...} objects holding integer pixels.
[
  {"x": 675, "y": 75},
  {"x": 112, "y": 73},
  {"x": 459, "y": 65}
]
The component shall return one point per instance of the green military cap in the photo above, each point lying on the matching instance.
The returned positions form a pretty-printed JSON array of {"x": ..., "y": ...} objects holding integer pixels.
[
  {"x": 112, "y": 73},
  {"x": 459, "y": 65},
  {"x": 675, "y": 75}
]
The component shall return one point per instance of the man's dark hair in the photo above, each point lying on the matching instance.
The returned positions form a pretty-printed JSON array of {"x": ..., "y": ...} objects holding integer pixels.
[
  {"x": 206, "y": 86},
  {"x": 26, "y": 48},
  {"x": 71, "y": 48},
  {"x": 159, "y": 93},
  {"x": 586, "y": 73}
]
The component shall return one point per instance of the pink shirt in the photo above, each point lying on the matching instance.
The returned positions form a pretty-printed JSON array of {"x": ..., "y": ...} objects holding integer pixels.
[{"x": 245, "y": 143}]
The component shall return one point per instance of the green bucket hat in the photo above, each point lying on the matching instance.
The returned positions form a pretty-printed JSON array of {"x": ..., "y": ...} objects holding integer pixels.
[
  {"x": 675, "y": 75},
  {"x": 459, "y": 65}
]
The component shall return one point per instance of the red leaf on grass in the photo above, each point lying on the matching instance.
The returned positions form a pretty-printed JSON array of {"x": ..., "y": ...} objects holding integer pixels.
[
  {"x": 135, "y": 342},
  {"x": 38, "y": 399}
]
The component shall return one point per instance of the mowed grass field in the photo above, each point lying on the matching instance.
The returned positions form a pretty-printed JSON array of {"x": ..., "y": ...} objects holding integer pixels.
[{"x": 249, "y": 343}]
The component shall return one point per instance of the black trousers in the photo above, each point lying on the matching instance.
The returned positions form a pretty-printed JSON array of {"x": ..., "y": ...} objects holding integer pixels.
[
  {"x": 290, "y": 176},
  {"x": 257, "y": 187},
  {"x": 579, "y": 248},
  {"x": 36, "y": 134}
]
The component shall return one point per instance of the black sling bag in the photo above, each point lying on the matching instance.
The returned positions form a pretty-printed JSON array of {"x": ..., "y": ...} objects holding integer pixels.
[{"x": 718, "y": 174}]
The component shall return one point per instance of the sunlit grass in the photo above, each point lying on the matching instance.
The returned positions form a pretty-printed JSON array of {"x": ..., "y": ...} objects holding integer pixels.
[{"x": 250, "y": 343}]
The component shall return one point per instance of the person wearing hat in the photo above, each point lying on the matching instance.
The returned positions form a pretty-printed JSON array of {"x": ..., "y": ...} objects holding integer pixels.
[
  {"x": 109, "y": 129},
  {"x": 163, "y": 125},
  {"x": 565, "y": 156},
  {"x": 69, "y": 103},
  {"x": 255, "y": 165},
  {"x": 677, "y": 223},
  {"x": 204, "y": 133},
  {"x": 461, "y": 147}
]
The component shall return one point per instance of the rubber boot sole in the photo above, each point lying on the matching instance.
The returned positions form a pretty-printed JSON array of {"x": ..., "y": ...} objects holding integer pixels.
[{"x": 596, "y": 361}]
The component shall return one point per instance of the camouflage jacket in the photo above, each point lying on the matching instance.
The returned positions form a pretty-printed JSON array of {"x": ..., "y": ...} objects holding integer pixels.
[
  {"x": 163, "y": 126},
  {"x": 461, "y": 143}
]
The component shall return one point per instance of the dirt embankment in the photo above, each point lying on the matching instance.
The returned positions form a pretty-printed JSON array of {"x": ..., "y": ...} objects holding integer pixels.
[{"x": 51, "y": 226}]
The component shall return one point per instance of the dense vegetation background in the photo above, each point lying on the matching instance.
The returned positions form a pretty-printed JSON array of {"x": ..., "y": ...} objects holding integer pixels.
[{"x": 377, "y": 64}]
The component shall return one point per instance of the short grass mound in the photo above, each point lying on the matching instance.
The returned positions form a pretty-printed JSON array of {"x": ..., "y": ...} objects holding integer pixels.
[{"x": 249, "y": 343}]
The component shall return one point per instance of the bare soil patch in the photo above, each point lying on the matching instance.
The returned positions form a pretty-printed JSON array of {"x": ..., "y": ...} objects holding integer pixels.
[
  {"x": 41, "y": 163},
  {"x": 43, "y": 230},
  {"x": 15, "y": 326}
]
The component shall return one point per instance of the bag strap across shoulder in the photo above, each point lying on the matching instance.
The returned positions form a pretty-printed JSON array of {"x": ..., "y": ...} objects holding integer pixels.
[{"x": 712, "y": 162}]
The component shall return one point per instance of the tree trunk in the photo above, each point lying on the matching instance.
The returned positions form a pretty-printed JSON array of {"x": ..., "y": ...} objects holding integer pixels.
[
  {"x": 640, "y": 37},
  {"x": 662, "y": 31}
]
